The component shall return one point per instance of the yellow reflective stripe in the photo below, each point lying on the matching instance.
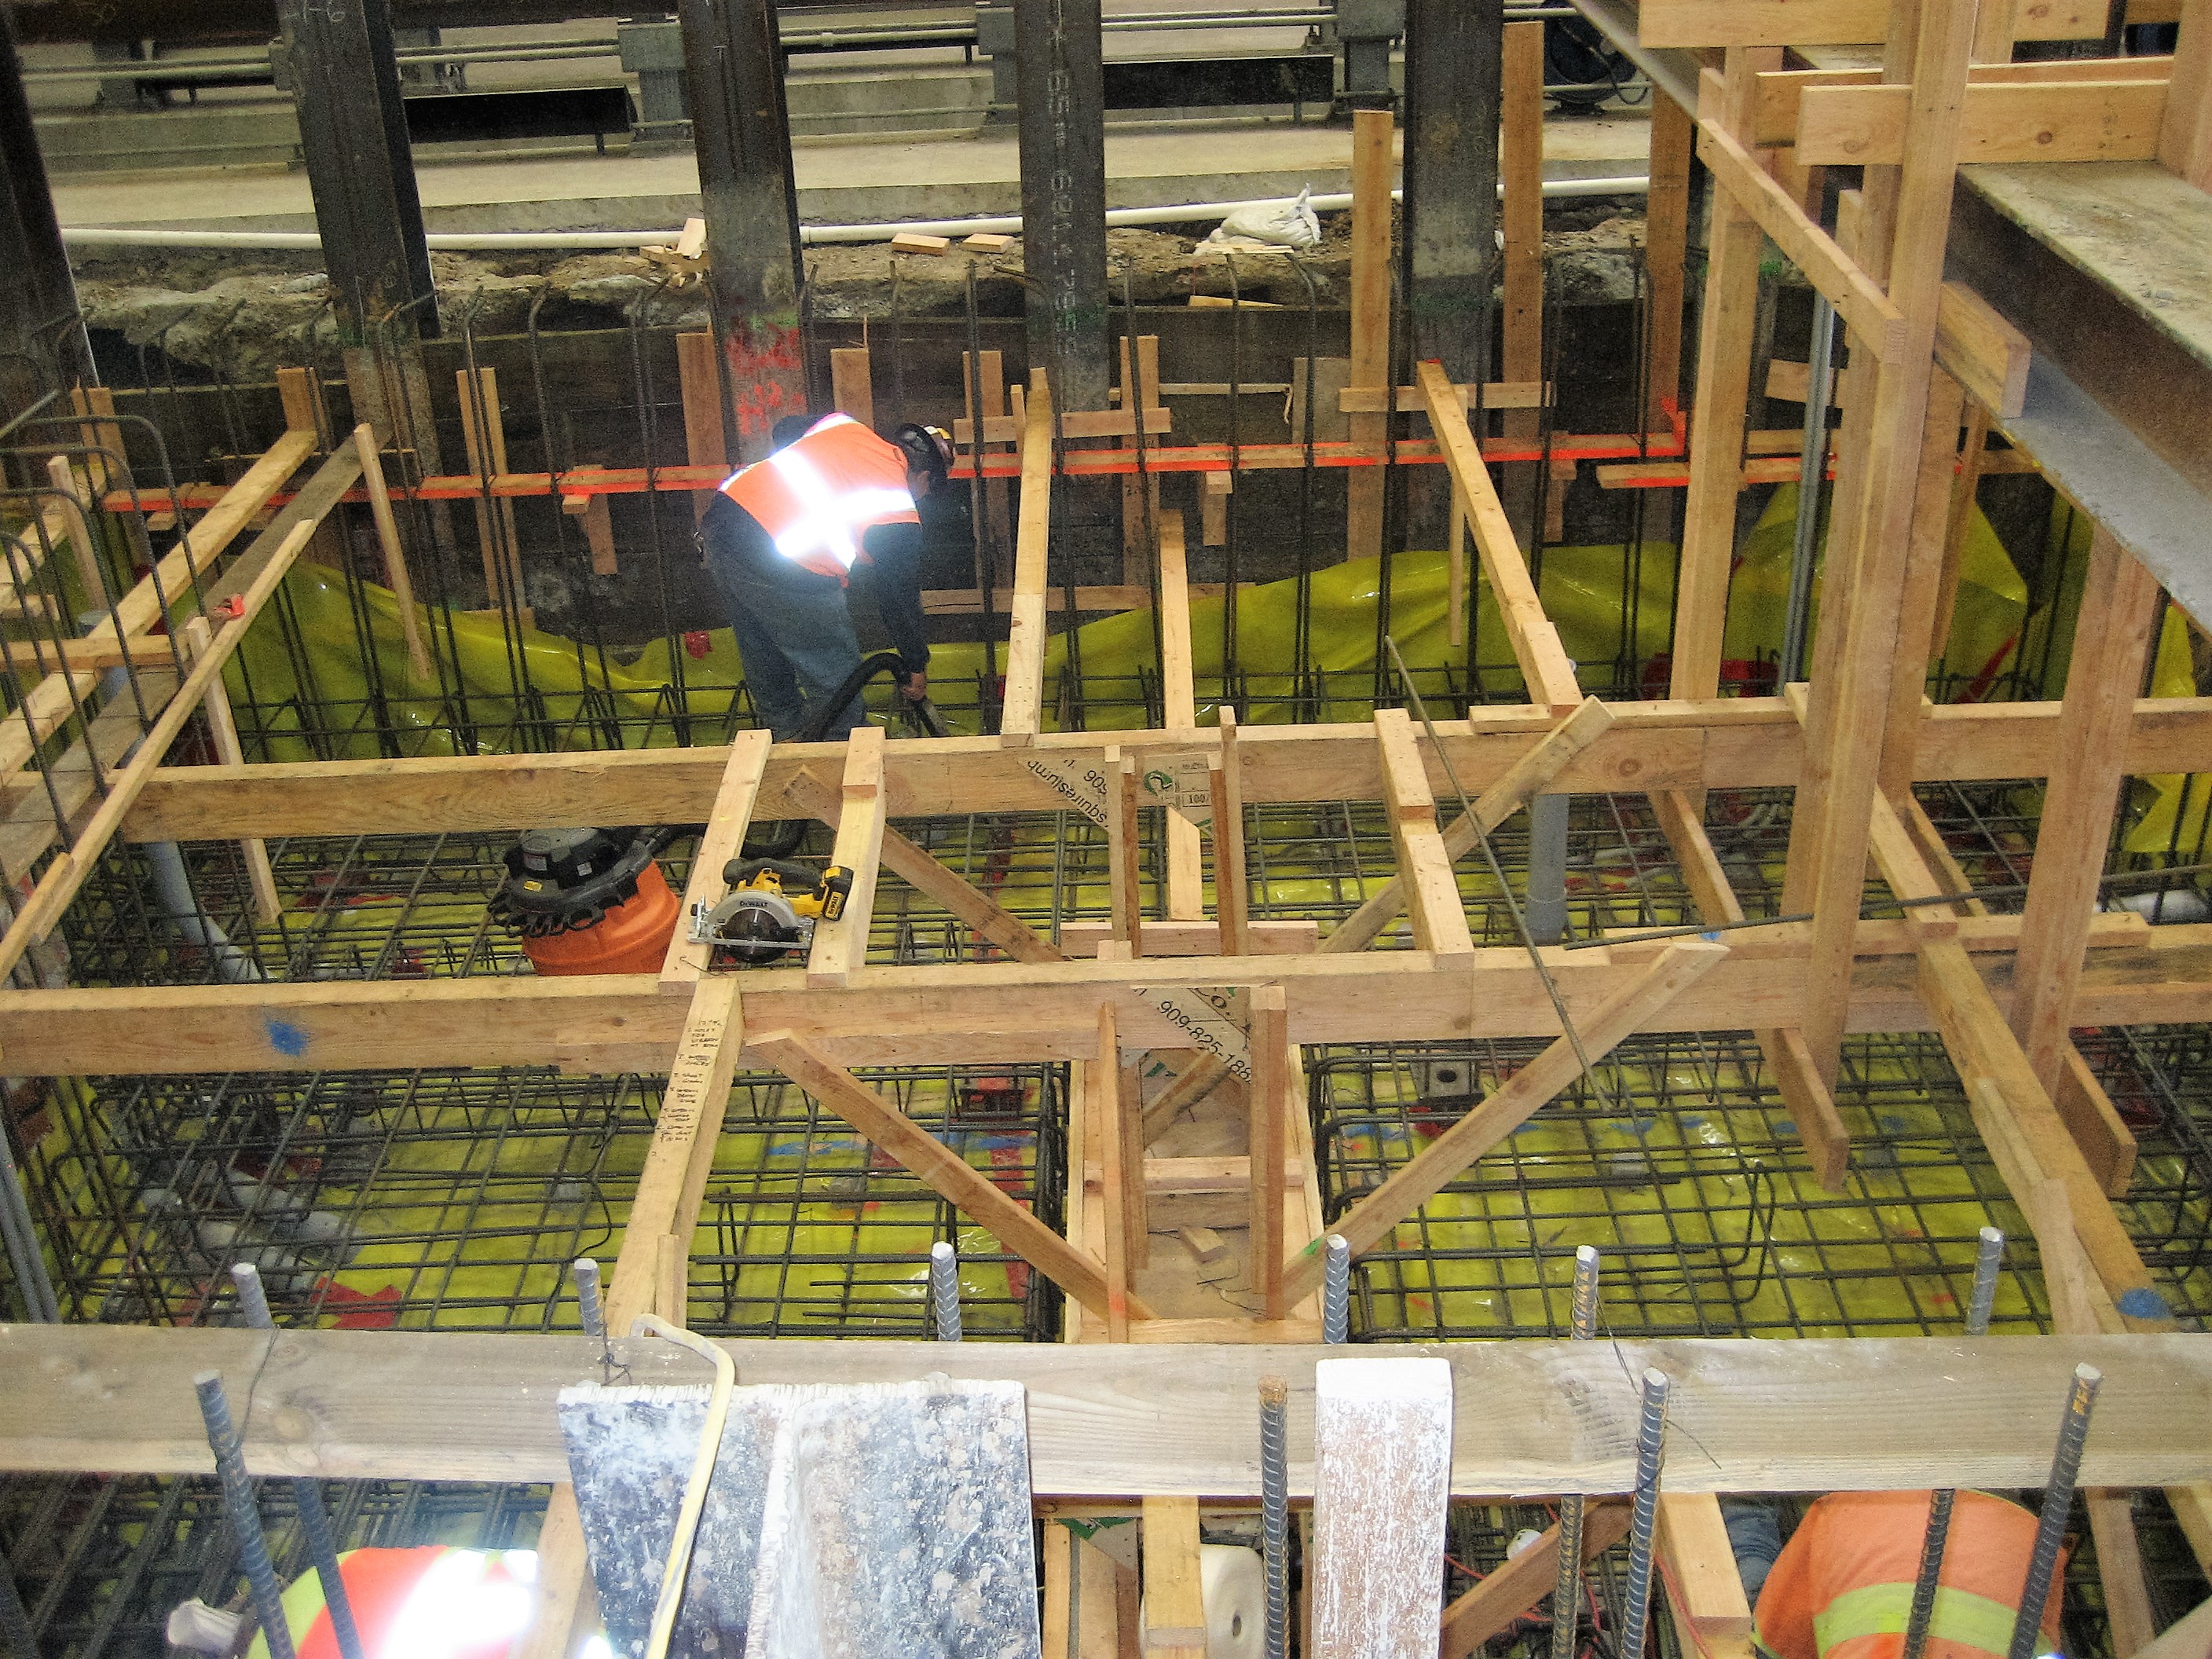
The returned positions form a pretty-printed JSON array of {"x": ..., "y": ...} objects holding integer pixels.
[{"x": 1960, "y": 1616}]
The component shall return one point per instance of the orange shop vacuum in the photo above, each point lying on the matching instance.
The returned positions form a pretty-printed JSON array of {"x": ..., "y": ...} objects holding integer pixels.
[{"x": 589, "y": 901}]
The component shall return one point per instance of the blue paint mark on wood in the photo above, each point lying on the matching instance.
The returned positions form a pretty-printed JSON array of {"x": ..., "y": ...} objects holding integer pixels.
[
  {"x": 2143, "y": 1302},
  {"x": 286, "y": 1038}
]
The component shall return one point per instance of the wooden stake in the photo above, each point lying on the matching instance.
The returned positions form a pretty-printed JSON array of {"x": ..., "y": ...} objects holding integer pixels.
[
  {"x": 1267, "y": 1103},
  {"x": 1174, "y": 1612},
  {"x": 1179, "y": 702},
  {"x": 484, "y": 432},
  {"x": 704, "y": 442},
  {"x": 1232, "y": 898},
  {"x": 2185, "y": 136},
  {"x": 70, "y": 500},
  {"x": 1124, "y": 849},
  {"x": 222, "y": 728},
  {"x": 1666, "y": 243},
  {"x": 1371, "y": 133},
  {"x": 1141, "y": 389},
  {"x": 1025, "y": 636},
  {"x": 395, "y": 554},
  {"x": 852, "y": 384},
  {"x": 1121, "y": 1165}
]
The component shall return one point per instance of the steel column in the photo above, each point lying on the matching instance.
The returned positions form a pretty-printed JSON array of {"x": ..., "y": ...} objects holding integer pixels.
[
  {"x": 734, "y": 59},
  {"x": 1449, "y": 257},
  {"x": 1061, "y": 73},
  {"x": 42, "y": 339},
  {"x": 336, "y": 60}
]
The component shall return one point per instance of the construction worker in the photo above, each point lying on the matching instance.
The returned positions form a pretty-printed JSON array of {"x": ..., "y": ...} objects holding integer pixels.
[
  {"x": 782, "y": 540},
  {"x": 1842, "y": 1587}
]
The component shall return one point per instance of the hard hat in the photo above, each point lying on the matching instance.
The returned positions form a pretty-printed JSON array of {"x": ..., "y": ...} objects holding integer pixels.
[{"x": 929, "y": 448}]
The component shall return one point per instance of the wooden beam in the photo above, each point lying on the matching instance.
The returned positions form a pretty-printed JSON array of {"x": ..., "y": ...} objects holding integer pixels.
[
  {"x": 1513, "y": 1103},
  {"x": 219, "y": 526},
  {"x": 1812, "y": 1107},
  {"x": 1858, "y": 299},
  {"x": 852, "y": 384},
  {"x": 721, "y": 841},
  {"x": 223, "y": 734},
  {"x": 2184, "y": 138},
  {"x": 1704, "y": 1587},
  {"x": 919, "y": 868},
  {"x": 1425, "y": 868},
  {"x": 1523, "y": 1581},
  {"x": 1125, "y": 862},
  {"x": 1175, "y": 1611},
  {"x": 1544, "y": 665},
  {"x": 1372, "y": 131},
  {"x": 1829, "y": 23},
  {"x": 841, "y": 946},
  {"x": 396, "y": 576},
  {"x": 1121, "y": 1165},
  {"x": 1196, "y": 939},
  {"x": 1666, "y": 245},
  {"x": 1729, "y": 743},
  {"x": 1025, "y": 638},
  {"x": 1533, "y": 1418},
  {"x": 2121, "y": 603},
  {"x": 1232, "y": 898},
  {"x": 2113, "y": 120},
  {"x": 1179, "y": 702},
  {"x": 1528, "y": 777},
  {"x": 705, "y": 444},
  {"x": 942, "y": 1171},
  {"x": 1269, "y": 1101},
  {"x": 1922, "y": 575}
]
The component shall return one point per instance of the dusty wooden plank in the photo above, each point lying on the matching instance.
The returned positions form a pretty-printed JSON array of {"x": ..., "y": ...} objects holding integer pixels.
[
  {"x": 2114, "y": 120},
  {"x": 1829, "y": 22},
  {"x": 1196, "y": 939},
  {"x": 1383, "y": 1451},
  {"x": 852, "y": 384}
]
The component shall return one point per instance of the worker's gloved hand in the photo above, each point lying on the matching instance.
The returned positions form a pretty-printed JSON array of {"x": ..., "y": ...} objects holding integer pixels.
[{"x": 915, "y": 686}]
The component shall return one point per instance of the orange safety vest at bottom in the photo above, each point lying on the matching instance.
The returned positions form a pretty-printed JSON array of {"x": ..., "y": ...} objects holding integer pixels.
[
  {"x": 432, "y": 1602},
  {"x": 1842, "y": 1587}
]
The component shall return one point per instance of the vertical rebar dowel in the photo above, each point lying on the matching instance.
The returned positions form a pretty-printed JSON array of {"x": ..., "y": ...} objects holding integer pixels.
[
  {"x": 244, "y": 1519},
  {"x": 307, "y": 1492},
  {"x": 1566, "y": 1596},
  {"x": 1988, "y": 1257},
  {"x": 1336, "y": 1290},
  {"x": 1275, "y": 1509},
  {"x": 253, "y": 1300},
  {"x": 1650, "y": 1439},
  {"x": 1989, "y": 1254},
  {"x": 594, "y": 1316},
  {"x": 16, "y": 1635},
  {"x": 944, "y": 1291},
  {"x": 2058, "y": 1505}
]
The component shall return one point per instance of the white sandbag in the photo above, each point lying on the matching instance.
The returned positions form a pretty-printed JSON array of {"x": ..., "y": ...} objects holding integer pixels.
[{"x": 1282, "y": 223}]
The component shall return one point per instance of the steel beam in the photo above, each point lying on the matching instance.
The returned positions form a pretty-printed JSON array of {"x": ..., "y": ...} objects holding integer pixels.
[
  {"x": 1061, "y": 76},
  {"x": 734, "y": 59},
  {"x": 42, "y": 339}
]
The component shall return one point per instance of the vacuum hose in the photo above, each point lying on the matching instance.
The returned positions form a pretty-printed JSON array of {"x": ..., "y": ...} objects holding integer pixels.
[{"x": 781, "y": 839}]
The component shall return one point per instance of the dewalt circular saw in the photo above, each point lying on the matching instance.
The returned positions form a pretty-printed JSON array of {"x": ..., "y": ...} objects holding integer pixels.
[{"x": 771, "y": 910}]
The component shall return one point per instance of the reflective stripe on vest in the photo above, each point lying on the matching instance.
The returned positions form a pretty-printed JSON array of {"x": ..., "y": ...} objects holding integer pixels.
[
  {"x": 816, "y": 499},
  {"x": 1961, "y": 1617}
]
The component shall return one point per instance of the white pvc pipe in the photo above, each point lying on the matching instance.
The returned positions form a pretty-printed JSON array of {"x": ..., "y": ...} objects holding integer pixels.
[{"x": 515, "y": 241}]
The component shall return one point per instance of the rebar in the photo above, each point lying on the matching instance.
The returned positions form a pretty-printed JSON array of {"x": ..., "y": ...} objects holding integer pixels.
[
  {"x": 1989, "y": 1254},
  {"x": 589, "y": 1311},
  {"x": 1275, "y": 1509},
  {"x": 1336, "y": 1291},
  {"x": 2058, "y": 1505},
  {"x": 1651, "y": 1442},
  {"x": 307, "y": 1492},
  {"x": 944, "y": 1291},
  {"x": 238, "y": 1507},
  {"x": 1566, "y": 1596}
]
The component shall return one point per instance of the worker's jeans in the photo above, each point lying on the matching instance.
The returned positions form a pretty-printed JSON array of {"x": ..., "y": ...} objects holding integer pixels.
[{"x": 793, "y": 630}]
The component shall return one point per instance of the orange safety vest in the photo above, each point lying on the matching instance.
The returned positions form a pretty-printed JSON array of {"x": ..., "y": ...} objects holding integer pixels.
[
  {"x": 1842, "y": 1587},
  {"x": 816, "y": 497},
  {"x": 431, "y": 1602}
]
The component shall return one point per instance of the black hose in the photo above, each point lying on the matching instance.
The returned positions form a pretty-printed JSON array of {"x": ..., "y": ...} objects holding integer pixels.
[{"x": 782, "y": 839}]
